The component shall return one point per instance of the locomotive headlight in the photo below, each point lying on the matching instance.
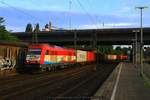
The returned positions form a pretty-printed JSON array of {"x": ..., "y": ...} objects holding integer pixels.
[{"x": 27, "y": 61}]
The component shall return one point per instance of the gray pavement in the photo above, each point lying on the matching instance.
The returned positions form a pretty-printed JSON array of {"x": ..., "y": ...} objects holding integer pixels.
[
  {"x": 131, "y": 85},
  {"x": 124, "y": 83},
  {"x": 147, "y": 70}
]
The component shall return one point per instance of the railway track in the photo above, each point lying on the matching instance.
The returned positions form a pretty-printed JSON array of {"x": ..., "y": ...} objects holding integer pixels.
[
  {"x": 15, "y": 89},
  {"x": 19, "y": 77},
  {"x": 86, "y": 88},
  {"x": 76, "y": 83}
]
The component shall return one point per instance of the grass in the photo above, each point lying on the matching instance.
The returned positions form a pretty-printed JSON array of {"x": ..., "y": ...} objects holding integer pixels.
[{"x": 146, "y": 80}]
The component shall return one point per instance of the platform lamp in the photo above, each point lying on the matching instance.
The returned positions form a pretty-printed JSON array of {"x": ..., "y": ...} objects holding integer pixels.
[{"x": 141, "y": 26}]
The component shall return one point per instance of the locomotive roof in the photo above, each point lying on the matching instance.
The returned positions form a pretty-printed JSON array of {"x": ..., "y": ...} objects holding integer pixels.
[{"x": 49, "y": 46}]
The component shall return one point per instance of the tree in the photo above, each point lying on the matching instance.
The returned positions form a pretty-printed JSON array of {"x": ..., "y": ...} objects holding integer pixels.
[
  {"x": 125, "y": 50},
  {"x": 46, "y": 26},
  {"x": 2, "y": 26},
  {"x": 29, "y": 28},
  {"x": 4, "y": 34},
  {"x": 118, "y": 50},
  {"x": 37, "y": 28},
  {"x": 7, "y": 36},
  {"x": 105, "y": 49}
]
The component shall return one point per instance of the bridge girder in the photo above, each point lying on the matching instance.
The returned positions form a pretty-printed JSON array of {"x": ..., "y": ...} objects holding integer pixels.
[{"x": 124, "y": 36}]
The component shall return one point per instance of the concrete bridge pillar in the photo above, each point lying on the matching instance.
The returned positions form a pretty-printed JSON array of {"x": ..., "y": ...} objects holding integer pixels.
[
  {"x": 138, "y": 52},
  {"x": 133, "y": 53}
]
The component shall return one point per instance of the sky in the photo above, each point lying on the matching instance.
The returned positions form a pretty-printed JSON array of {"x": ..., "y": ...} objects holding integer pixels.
[{"x": 74, "y": 14}]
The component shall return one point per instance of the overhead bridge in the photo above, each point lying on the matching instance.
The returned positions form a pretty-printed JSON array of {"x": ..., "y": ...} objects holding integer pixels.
[{"x": 117, "y": 36}]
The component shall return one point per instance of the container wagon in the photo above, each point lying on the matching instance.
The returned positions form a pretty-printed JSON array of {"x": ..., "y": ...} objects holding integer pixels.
[{"x": 109, "y": 58}]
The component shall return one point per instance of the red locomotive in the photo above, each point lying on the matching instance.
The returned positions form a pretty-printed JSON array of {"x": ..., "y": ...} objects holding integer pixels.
[{"x": 47, "y": 57}]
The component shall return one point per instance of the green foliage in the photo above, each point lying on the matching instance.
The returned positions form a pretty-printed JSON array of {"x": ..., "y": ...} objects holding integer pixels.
[
  {"x": 109, "y": 50},
  {"x": 146, "y": 80},
  {"x": 37, "y": 28},
  {"x": 46, "y": 26},
  {"x": 29, "y": 28},
  {"x": 2, "y": 26},
  {"x": 7, "y": 36},
  {"x": 4, "y": 34},
  {"x": 105, "y": 49},
  {"x": 118, "y": 48},
  {"x": 124, "y": 51}
]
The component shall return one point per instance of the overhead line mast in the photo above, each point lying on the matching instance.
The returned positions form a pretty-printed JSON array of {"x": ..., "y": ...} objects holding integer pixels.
[
  {"x": 142, "y": 43},
  {"x": 70, "y": 7}
]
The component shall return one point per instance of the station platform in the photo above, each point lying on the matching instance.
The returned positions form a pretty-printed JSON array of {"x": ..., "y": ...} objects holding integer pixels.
[{"x": 125, "y": 83}]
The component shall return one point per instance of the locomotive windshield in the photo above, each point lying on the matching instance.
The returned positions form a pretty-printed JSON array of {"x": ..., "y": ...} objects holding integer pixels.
[
  {"x": 33, "y": 55},
  {"x": 34, "y": 51}
]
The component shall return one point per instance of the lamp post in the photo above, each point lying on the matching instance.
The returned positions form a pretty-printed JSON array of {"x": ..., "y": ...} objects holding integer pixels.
[{"x": 141, "y": 47}]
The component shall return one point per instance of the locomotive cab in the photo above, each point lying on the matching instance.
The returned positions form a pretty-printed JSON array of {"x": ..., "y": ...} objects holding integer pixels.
[{"x": 33, "y": 56}]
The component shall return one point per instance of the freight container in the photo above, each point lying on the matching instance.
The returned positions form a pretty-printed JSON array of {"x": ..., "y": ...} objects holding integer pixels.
[
  {"x": 111, "y": 57},
  {"x": 122, "y": 57},
  {"x": 66, "y": 55},
  {"x": 90, "y": 56},
  {"x": 81, "y": 56}
]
